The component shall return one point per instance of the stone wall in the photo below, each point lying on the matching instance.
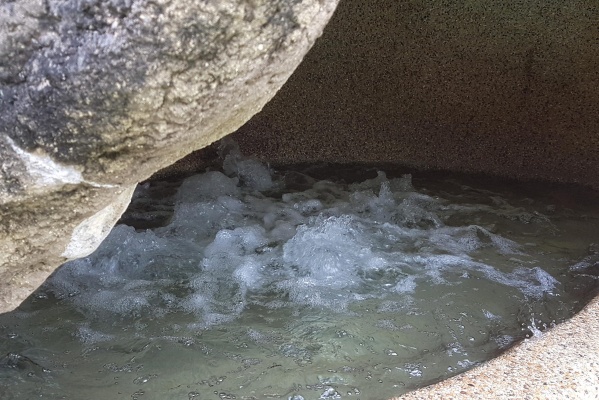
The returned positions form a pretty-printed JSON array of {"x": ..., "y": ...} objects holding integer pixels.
[{"x": 506, "y": 87}]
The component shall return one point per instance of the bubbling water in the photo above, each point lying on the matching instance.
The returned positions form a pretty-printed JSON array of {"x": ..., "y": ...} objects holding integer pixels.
[{"x": 248, "y": 283}]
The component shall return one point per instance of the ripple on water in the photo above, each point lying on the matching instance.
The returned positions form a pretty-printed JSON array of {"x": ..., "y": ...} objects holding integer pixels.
[{"x": 254, "y": 283}]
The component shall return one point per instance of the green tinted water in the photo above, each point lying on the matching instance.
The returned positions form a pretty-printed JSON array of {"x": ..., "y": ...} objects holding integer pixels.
[{"x": 331, "y": 289}]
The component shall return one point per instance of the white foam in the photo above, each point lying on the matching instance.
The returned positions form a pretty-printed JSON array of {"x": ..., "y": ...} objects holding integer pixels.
[
  {"x": 406, "y": 285},
  {"x": 229, "y": 245},
  {"x": 209, "y": 185},
  {"x": 251, "y": 173}
]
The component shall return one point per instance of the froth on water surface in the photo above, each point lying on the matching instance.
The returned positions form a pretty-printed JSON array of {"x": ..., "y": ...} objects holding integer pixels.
[{"x": 317, "y": 282}]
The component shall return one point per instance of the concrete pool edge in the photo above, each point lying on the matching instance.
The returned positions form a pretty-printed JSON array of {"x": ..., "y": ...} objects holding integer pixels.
[{"x": 563, "y": 363}]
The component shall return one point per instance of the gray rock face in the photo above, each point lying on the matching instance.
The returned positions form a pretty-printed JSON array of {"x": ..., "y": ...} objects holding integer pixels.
[{"x": 96, "y": 95}]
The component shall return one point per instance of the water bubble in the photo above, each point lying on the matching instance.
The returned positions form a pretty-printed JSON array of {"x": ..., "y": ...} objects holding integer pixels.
[
  {"x": 414, "y": 370},
  {"x": 330, "y": 393},
  {"x": 272, "y": 279},
  {"x": 140, "y": 380}
]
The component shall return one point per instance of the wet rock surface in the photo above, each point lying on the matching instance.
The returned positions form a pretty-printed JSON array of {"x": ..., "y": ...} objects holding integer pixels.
[{"x": 96, "y": 96}]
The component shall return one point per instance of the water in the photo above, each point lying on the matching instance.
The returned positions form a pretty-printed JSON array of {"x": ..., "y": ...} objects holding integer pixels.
[{"x": 319, "y": 282}]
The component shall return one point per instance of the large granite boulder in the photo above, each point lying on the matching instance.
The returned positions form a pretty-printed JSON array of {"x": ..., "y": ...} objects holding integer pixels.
[{"x": 96, "y": 95}]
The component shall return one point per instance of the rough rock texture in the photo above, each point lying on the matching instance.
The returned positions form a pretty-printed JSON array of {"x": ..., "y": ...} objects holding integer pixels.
[
  {"x": 506, "y": 87},
  {"x": 96, "y": 95}
]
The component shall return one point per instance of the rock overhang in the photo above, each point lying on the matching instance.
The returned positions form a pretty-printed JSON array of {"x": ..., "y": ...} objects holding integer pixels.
[{"x": 96, "y": 96}]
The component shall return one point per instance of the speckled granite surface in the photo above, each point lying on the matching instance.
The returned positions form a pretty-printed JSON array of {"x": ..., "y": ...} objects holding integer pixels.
[
  {"x": 508, "y": 88},
  {"x": 563, "y": 363}
]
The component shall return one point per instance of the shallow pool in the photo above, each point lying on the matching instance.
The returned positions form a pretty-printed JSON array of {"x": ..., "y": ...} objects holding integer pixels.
[{"x": 314, "y": 282}]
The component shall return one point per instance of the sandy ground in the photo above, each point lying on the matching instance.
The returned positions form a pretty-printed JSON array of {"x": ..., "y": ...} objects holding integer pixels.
[{"x": 563, "y": 363}]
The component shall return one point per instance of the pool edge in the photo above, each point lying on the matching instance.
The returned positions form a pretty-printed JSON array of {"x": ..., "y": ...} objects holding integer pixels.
[{"x": 561, "y": 364}]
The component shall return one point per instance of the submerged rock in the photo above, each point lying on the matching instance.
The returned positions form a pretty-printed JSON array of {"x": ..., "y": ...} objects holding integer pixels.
[{"x": 95, "y": 96}]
